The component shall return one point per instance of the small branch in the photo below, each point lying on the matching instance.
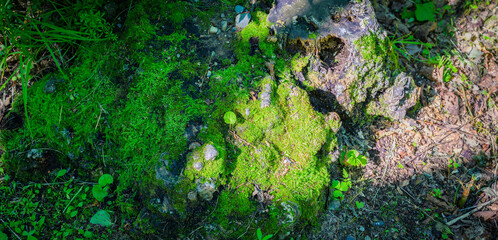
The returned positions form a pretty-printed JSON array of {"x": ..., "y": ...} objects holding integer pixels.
[{"x": 478, "y": 207}]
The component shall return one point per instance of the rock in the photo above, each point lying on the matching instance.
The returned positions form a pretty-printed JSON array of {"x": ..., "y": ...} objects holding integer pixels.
[
  {"x": 192, "y": 195},
  {"x": 210, "y": 152},
  {"x": 206, "y": 190},
  {"x": 239, "y": 9},
  {"x": 347, "y": 65},
  {"x": 349, "y": 237},
  {"x": 50, "y": 86},
  {"x": 242, "y": 20},
  {"x": 334, "y": 205},
  {"x": 224, "y": 25},
  {"x": 193, "y": 145},
  {"x": 198, "y": 166},
  {"x": 379, "y": 223},
  {"x": 396, "y": 100},
  {"x": 167, "y": 171},
  {"x": 35, "y": 153},
  {"x": 213, "y": 30},
  {"x": 266, "y": 96}
]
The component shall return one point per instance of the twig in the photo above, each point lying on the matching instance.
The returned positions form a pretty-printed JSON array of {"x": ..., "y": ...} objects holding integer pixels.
[{"x": 478, "y": 207}]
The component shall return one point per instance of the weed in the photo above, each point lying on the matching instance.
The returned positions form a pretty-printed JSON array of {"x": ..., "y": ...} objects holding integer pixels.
[
  {"x": 341, "y": 187},
  {"x": 353, "y": 158},
  {"x": 261, "y": 237},
  {"x": 359, "y": 205},
  {"x": 436, "y": 193}
]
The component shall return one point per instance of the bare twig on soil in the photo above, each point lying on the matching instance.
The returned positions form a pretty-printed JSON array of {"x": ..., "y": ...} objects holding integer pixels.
[{"x": 478, "y": 207}]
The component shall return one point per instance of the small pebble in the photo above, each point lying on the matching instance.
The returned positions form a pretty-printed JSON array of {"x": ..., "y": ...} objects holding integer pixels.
[
  {"x": 198, "y": 166},
  {"x": 213, "y": 30},
  {"x": 349, "y": 237},
  {"x": 379, "y": 223}
]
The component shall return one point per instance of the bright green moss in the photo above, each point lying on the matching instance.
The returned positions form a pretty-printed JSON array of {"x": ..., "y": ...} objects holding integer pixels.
[{"x": 298, "y": 62}]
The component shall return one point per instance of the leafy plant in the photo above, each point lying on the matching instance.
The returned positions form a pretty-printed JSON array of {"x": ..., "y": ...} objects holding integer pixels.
[
  {"x": 425, "y": 12},
  {"x": 100, "y": 191},
  {"x": 436, "y": 193},
  {"x": 360, "y": 205},
  {"x": 261, "y": 237},
  {"x": 230, "y": 118},
  {"x": 102, "y": 218},
  {"x": 353, "y": 158},
  {"x": 341, "y": 187}
]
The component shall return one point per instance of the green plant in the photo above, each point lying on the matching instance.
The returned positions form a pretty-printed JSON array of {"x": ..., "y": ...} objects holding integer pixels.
[
  {"x": 261, "y": 237},
  {"x": 341, "y": 187},
  {"x": 100, "y": 191},
  {"x": 360, "y": 205},
  {"x": 353, "y": 158},
  {"x": 436, "y": 193},
  {"x": 230, "y": 118}
]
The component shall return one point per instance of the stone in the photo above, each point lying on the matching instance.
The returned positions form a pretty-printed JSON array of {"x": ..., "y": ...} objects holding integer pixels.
[
  {"x": 50, "y": 86},
  {"x": 266, "y": 96},
  {"x": 206, "y": 190},
  {"x": 210, "y": 152},
  {"x": 242, "y": 20},
  {"x": 192, "y": 195},
  {"x": 193, "y": 145},
  {"x": 198, "y": 166},
  {"x": 396, "y": 100},
  {"x": 239, "y": 9},
  {"x": 213, "y": 30},
  {"x": 224, "y": 25},
  {"x": 347, "y": 65}
]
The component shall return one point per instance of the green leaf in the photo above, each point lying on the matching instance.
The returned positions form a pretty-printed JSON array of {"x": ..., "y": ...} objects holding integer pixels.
[
  {"x": 336, "y": 184},
  {"x": 74, "y": 213},
  {"x": 363, "y": 160},
  {"x": 99, "y": 193},
  {"x": 88, "y": 234},
  {"x": 230, "y": 117},
  {"x": 425, "y": 12},
  {"x": 338, "y": 194},
  {"x": 105, "y": 179},
  {"x": 352, "y": 154},
  {"x": 61, "y": 172},
  {"x": 259, "y": 233},
  {"x": 344, "y": 187},
  {"x": 359, "y": 204},
  {"x": 268, "y": 237},
  {"x": 407, "y": 14},
  {"x": 101, "y": 218},
  {"x": 3, "y": 236}
]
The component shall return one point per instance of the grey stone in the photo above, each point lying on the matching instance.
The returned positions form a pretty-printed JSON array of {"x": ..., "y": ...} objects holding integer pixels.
[
  {"x": 213, "y": 30},
  {"x": 334, "y": 205},
  {"x": 224, "y": 25},
  {"x": 206, "y": 190},
  {"x": 339, "y": 68},
  {"x": 192, "y": 195},
  {"x": 210, "y": 152},
  {"x": 198, "y": 166},
  {"x": 239, "y": 9},
  {"x": 266, "y": 96},
  {"x": 193, "y": 145},
  {"x": 397, "y": 99},
  {"x": 49, "y": 86},
  {"x": 242, "y": 20}
]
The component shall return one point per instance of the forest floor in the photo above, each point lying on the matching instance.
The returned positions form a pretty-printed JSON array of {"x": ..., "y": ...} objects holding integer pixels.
[{"x": 432, "y": 175}]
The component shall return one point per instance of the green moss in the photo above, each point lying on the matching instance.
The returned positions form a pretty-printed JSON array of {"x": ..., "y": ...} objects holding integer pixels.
[{"x": 298, "y": 62}]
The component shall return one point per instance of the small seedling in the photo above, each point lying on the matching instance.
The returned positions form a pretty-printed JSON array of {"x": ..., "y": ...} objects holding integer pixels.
[
  {"x": 261, "y": 237},
  {"x": 353, "y": 158},
  {"x": 341, "y": 187},
  {"x": 100, "y": 191},
  {"x": 436, "y": 193},
  {"x": 360, "y": 205},
  {"x": 230, "y": 118}
]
